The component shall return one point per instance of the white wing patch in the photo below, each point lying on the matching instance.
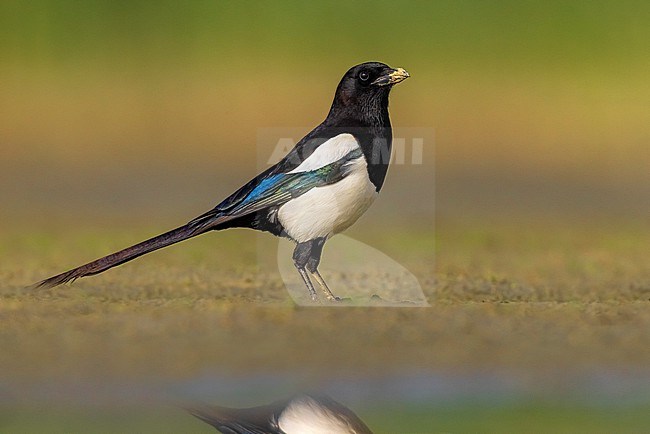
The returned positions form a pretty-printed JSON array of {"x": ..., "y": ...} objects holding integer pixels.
[
  {"x": 308, "y": 416},
  {"x": 328, "y": 152}
]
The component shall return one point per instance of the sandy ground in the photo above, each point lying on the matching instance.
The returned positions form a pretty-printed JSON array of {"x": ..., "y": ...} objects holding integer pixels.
[
  {"x": 501, "y": 298},
  {"x": 554, "y": 307}
]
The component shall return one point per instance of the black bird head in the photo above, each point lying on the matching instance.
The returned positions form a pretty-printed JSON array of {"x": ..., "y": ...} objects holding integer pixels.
[{"x": 361, "y": 97}]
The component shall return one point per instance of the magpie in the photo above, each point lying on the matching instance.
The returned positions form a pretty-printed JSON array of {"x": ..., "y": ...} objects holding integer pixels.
[
  {"x": 303, "y": 414},
  {"x": 320, "y": 188}
]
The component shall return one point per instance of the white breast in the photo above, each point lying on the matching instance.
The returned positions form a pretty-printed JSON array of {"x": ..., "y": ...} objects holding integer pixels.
[
  {"x": 307, "y": 416},
  {"x": 324, "y": 211}
]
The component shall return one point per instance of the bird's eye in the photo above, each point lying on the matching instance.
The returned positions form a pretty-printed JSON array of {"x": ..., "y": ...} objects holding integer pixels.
[{"x": 364, "y": 76}]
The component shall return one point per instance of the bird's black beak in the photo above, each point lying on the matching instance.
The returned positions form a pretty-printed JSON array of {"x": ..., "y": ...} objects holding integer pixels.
[{"x": 393, "y": 76}]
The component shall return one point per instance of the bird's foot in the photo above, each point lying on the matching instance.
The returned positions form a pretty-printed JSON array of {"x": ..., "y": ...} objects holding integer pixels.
[{"x": 332, "y": 297}]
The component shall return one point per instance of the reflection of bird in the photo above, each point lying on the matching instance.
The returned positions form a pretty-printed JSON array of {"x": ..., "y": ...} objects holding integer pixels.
[
  {"x": 304, "y": 414},
  {"x": 321, "y": 187}
]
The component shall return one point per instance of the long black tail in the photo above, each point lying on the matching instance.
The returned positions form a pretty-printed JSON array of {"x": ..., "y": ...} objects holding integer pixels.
[{"x": 190, "y": 230}]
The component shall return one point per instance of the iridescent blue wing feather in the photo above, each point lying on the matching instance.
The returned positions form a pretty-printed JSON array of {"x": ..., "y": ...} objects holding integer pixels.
[{"x": 275, "y": 190}]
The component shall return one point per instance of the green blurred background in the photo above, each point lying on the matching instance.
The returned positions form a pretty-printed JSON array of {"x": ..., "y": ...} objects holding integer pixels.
[
  {"x": 117, "y": 115},
  {"x": 537, "y": 107}
]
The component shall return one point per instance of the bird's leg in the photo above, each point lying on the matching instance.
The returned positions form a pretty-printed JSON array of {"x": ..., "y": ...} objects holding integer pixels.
[
  {"x": 301, "y": 256},
  {"x": 312, "y": 266},
  {"x": 323, "y": 285},
  {"x": 308, "y": 284}
]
